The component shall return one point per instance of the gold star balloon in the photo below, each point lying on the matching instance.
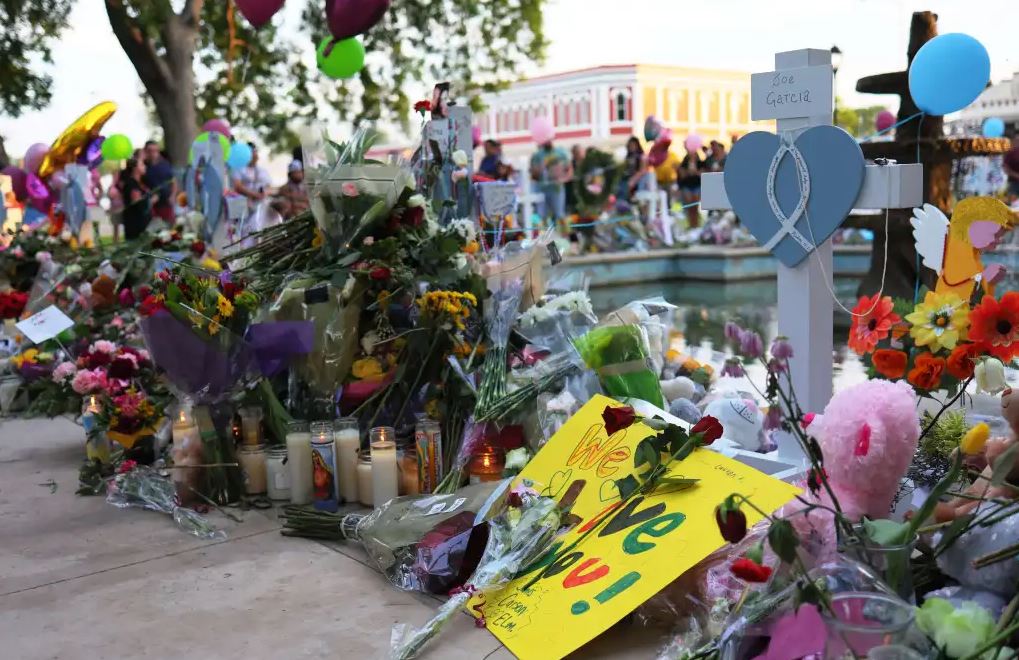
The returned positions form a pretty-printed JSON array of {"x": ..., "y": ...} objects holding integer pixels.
[{"x": 68, "y": 146}]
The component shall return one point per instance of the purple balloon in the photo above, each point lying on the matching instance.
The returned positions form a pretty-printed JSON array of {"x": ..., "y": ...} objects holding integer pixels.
[
  {"x": 349, "y": 18},
  {"x": 92, "y": 155},
  {"x": 38, "y": 194},
  {"x": 34, "y": 156},
  {"x": 220, "y": 126},
  {"x": 19, "y": 181}
]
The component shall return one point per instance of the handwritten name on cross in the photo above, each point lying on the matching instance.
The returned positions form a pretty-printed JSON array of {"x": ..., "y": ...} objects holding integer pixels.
[{"x": 799, "y": 94}]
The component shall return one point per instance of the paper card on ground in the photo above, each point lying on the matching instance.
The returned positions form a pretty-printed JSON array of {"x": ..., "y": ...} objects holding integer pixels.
[
  {"x": 45, "y": 325},
  {"x": 645, "y": 545}
]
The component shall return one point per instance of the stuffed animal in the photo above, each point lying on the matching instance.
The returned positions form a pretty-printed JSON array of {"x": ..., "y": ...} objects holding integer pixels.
[{"x": 742, "y": 420}]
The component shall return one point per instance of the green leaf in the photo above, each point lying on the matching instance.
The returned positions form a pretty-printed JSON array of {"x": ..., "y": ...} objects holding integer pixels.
[
  {"x": 676, "y": 436},
  {"x": 348, "y": 259},
  {"x": 1003, "y": 465},
  {"x": 646, "y": 454},
  {"x": 782, "y": 539},
  {"x": 674, "y": 484},
  {"x": 627, "y": 486},
  {"x": 886, "y": 532}
]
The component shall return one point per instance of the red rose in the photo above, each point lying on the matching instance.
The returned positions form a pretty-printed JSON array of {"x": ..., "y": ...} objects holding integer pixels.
[
  {"x": 750, "y": 571},
  {"x": 380, "y": 273},
  {"x": 198, "y": 247},
  {"x": 618, "y": 418},
  {"x": 414, "y": 216},
  {"x": 709, "y": 428},
  {"x": 151, "y": 305},
  {"x": 126, "y": 297},
  {"x": 143, "y": 291},
  {"x": 732, "y": 523},
  {"x": 816, "y": 479},
  {"x": 423, "y": 106},
  {"x": 127, "y": 466},
  {"x": 229, "y": 290},
  {"x": 122, "y": 368}
]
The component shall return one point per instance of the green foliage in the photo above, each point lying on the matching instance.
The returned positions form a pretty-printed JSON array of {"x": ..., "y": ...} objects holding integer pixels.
[
  {"x": 29, "y": 29},
  {"x": 596, "y": 180},
  {"x": 946, "y": 433},
  {"x": 858, "y": 122}
]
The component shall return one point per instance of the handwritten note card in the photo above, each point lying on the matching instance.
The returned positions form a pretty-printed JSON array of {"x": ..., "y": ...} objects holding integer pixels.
[
  {"x": 803, "y": 92},
  {"x": 498, "y": 199},
  {"x": 644, "y": 545},
  {"x": 45, "y": 325}
]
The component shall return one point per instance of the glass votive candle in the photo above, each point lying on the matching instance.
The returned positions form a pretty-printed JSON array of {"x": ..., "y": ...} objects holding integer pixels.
[
  {"x": 277, "y": 474},
  {"x": 252, "y": 460},
  {"x": 299, "y": 461},
  {"x": 487, "y": 465},
  {"x": 409, "y": 484},
  {"x": 347, "y": 435},
  {"x": 325, "y": 493},
  {"x": 364, "y": 477},
  {"x": 251, "y": 425},
  {"x": 385, "y": 473}
]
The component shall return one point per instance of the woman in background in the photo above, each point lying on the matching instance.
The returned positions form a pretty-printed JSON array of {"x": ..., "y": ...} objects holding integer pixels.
[{"x": 137, "y": 212}]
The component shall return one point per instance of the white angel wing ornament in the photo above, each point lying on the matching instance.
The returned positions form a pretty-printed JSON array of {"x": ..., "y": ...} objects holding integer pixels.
[{"x": 930, "y": 228}]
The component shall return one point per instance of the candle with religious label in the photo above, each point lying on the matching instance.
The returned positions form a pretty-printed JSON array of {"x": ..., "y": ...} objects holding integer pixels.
[
  {"x": 251, "y": 425},
  {"x": 325, "y": 491},
  {"x": 299, "y": 461},
  {"x": 348, "y": 444},
  {"x": 487, "y": 465},
  {"x": 277, "y": 474},
  {"x": 428, "y": 438},
  {"x": 97, "y": 444},
  {"x": 252, "y": 460},
  {"x": 385, "y": 475},
  {"x": 364, "y": 477}
]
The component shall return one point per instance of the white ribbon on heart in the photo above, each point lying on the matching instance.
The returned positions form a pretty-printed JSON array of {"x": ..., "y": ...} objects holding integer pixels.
[{"x": 787, "y": 225}]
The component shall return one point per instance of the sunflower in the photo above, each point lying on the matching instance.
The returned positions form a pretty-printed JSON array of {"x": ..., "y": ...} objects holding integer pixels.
[
  {"x": 939, "y": 322},
  {"x": 872, "y": 321},
  {"x": 995, "y": 325},
  {"x": 214, "y": 326},
  {"x": 226, "y": 308}
]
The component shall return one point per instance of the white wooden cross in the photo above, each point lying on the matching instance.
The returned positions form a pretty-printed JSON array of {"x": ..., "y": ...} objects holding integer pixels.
[
  {"x": 527, "y": 199},
  {"x": 805, "y": 305}
]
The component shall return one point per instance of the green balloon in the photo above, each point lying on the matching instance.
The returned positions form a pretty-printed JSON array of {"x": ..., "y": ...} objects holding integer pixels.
[
  {"x": 116, "y": 147},
  {"x": 224, "y": 144},
  {"x": 340, "y": 59}
]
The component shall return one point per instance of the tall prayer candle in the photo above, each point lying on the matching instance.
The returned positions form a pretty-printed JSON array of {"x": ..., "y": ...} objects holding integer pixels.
[
  {"x": 252, "y": 460},
  {"x": 185, "y": 428},
  {"x": 299, "y": 461},
  {"x": 364, "y": 477},
  {"x": 325, "y": 491},
  {"x": 251, "y": 425},
  {"x": 385, "y": 474},
  {"x": 348, "y": 443}
]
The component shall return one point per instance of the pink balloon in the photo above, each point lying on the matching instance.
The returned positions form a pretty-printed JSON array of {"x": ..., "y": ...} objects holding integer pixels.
[
  {"x": 693, "y": 142},
  {"x": 220, "y": 126},
  {"x": 34, "y": 156},
  {"x": 542, "y": 130},
  {"x": 660, "y": 149},
  {"x": 884, "y": 120},
  {"x": 476, "y": 135},
  {"x": 19, "y": 181},
  {"x": 349, "y": 18},
  {"x": 259, "y": 12}
]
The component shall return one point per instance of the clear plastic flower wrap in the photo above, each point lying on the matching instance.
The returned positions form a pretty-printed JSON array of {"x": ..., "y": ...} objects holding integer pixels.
[
  {"x": 144, "y": 488},
  {"x": 518, "y": 535},
  {"x": 654, "y": 316}
]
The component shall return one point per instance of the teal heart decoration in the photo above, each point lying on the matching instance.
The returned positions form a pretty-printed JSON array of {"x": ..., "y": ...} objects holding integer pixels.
[{"x": 829, "y": 165}]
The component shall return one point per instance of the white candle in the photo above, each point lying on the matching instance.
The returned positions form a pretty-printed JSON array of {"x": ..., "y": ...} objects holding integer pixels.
[
  {"x": 185, "y": 429},
  {"x": 364, "y": 478},
  {"x": 252, "y": 460},
  {"x": 277, "y": 474},
  {"x": 385, "y": 473},
  {"x": 348, "y": 444},
  {"x": 299, "y": 460}
]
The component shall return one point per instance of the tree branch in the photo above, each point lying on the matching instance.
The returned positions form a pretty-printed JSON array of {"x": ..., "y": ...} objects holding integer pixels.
[
  {"x": 139, "y": 48},
  {"x": 192, "y": 12}
]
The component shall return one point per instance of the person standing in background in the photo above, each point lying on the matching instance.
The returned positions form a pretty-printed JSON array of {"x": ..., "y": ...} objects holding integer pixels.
[
  {"x": 136, "y": 214},
  {"x": 690, "y": 185},
  {"x": 666, "y": 175},
  {"x": 252, "y": 181},
  {"x": 1010, "y": 163},
  {"x": 576, "y": 158},
  {"x": 294, "y": 193},
  {"x": 490, "y": 162},
  {"x": 160, "y": 181},
  {"x": 715, "y": 161},
  {"x": 551, "y": 170}
]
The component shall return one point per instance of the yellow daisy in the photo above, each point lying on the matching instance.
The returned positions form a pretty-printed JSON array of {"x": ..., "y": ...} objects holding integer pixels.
[
  {"x": 214, "y": 326},
  {"x": 226, "y": 308},
  {"x": 939, "y": 322}
]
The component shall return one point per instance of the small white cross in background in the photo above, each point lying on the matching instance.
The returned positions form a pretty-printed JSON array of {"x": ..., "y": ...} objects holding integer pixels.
[{"x": 805, "y": 305}]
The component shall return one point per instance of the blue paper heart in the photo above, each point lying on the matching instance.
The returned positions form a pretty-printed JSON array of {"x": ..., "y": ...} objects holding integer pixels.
[{"x": 835, "y": 164}]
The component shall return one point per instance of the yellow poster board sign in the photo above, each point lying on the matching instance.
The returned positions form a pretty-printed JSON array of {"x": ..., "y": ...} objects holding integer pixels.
[{"x": 644, "y": 545}]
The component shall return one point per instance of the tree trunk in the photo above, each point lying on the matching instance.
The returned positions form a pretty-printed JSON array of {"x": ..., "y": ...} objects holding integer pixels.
[
  {"x": 169, "y": 77},
  {"x": 4, "y": 159}
]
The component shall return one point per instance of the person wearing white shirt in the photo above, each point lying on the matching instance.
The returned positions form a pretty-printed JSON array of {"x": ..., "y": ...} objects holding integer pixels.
[{"x": 252, "y": 181}]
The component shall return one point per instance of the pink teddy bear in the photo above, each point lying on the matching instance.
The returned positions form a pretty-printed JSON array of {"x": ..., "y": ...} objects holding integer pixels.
[{"x": 868, "y": 435}]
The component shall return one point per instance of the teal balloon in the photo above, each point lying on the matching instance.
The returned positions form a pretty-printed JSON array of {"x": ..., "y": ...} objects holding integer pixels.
[
  {"x": 240, "y": 156},
  {"x": 224, "y": 144},
  {"x": 994, "y": 127},
  {"x": 948, "y": 73},
  {"x": 340, "y": 59},
  {"x": 116, "y": 147}
]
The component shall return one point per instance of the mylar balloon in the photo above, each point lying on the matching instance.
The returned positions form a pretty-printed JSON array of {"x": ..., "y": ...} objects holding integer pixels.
[
  {"x": 220, "y": 126},
  {"x": 117, "y": 147},
  {"x": 884, "y": 120},
  {"x": 259, "y": 12},
  {"x": 948, "y": 73},
  {"x": 66, "y": 148},
  {"x": 34, "y": 156},
  {"x": 240, "y": 156},
  {"x": 19, "y": 179},
  {"x": 994, "y": 127},
  {"x": 39, "y": 195},
  {"x": 652, "y": 127},
  {"x": 224, "y": 144},
  {"x": 542, "y": 130},
  {"x": 93, "y": 154},
  {"x": 340, "y": 59},
  {"x": 349, "y": 18},
  {"x": 476, "y": 135},
  {"x": 660, "y": 149},
  {"x": 693, "y": 142}
]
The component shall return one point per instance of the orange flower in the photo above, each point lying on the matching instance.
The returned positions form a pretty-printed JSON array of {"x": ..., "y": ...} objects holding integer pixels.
[
  {"x": 995, "y": 324},
  {"x": 872, "y": 321},
  {"x": 962, "y": 360},
  {"x": 890, "y": 363},
  {"x": 927, "y": 371}
]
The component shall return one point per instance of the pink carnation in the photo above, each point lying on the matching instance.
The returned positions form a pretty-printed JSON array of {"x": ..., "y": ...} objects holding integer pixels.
[
  {"x": 103, "y": 346},
  {"x": 87, "y": 381},
  {"x": 18, "y": 252},
  {"x": 117, "y": 322},
  {"x": 64, "y": 371},
  {"x": 349, "y": 189}
]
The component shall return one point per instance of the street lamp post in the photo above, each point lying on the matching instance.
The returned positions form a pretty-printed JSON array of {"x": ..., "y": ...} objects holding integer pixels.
[{"x": 836, "y": 62}]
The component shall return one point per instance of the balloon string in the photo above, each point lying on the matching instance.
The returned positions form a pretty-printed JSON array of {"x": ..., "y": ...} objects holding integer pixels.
[{"x": 891, "y": 128}]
